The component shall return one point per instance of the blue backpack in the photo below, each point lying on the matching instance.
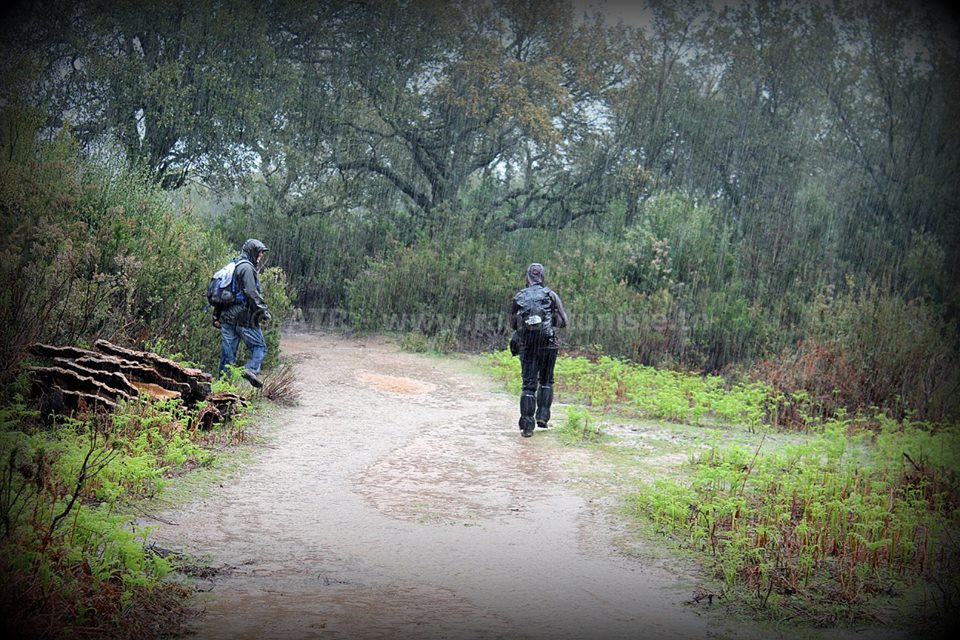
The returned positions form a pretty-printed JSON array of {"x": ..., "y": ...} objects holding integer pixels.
[{"x": 222, "y": 290}]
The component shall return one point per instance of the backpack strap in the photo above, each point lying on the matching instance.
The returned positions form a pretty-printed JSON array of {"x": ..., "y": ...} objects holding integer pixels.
[{"x": 234, "y": 287}]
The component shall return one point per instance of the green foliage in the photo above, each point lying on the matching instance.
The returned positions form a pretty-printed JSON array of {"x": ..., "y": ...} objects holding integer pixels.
[
  {"x": 833, "y": 518},
  {"x": 452, "y": 290},
  {"x": 632, "y": 299},
  {"x": 869, "y": 349},
  {"x": 93, "y": 251},
  {"x": 647, "y": 391},
  {"x": 604, "y": 309},
  {"x": 319, "y": 253},
  {"x": 91, "y": 254},
  {"x": 228, "y": 381},
  {"x": 830, "y": 519},
  {"x": 727, "y": 177},
  {"x": 580, "y": 427},
  {"x": 862, "y": 349},
  {"x": 675, "y": 243},
  {"x": 722, "y": 209},
  {"x": 67, "y": 542},
  {"x": 506, "y": 368},
  {"x": 443, "y": 342},
  {"x": 197, "y": 96}
]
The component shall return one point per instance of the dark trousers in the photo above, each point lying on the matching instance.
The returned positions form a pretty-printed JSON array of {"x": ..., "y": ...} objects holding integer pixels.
[{"x": 536, "y": 395}]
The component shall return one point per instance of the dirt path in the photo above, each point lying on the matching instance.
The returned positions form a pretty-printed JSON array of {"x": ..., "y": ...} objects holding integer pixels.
[{"x": 398, "y": 500}]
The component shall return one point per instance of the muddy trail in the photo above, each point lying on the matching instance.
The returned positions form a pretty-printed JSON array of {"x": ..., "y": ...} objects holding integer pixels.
[{"x": 397, "y": 499}]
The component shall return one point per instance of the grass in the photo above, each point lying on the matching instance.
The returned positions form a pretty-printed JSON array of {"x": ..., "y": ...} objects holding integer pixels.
[
  {"x": 73, "y": 561},
  {"x": 644, "y": 391},
  {"x": 580, "y": 428},
  {"x": 444, "y": 342},
  {"x": 821, "y": 528}
]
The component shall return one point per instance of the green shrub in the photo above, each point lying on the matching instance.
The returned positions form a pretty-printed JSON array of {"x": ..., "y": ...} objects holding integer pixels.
[
  {"x": 320, "y": 254},
  {"x": 68, "y": 551},
  {"x": 454, "y": 289},
  {"x": 831, "y": 519},
  {"x": 580, "y": 427},
  {"x": 647, "y": 391},
  {"x": 868, "y": 349},
  {"x": 91, "y": 251}
]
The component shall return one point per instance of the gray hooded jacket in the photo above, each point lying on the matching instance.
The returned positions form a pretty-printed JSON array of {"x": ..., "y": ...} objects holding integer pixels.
[{"x": 254, "y": 310}]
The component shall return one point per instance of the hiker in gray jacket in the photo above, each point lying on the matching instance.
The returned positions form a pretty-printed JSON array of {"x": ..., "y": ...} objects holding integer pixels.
[
  {"x": 241, "y": 319},
  {"x": 535, "y": 315}
]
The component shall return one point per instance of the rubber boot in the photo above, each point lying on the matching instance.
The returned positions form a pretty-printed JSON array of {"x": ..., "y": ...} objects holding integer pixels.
[
  {"x": 544, "y": 400},
  {"x": 528, "y": 406}
]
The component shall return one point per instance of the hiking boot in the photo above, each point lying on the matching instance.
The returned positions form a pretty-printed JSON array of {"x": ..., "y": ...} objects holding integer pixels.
[
  {"x": 526, "y": 433},
  {"x": 542, "y": 424},
  {"x": 252, "y": 378}
]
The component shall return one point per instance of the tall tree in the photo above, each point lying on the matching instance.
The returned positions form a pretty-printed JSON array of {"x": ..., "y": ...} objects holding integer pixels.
[
  {"x": 765, "y": 127},
  {"x": 430, "y": 94},
  {"x": 174, "y": 86},
  {"x": 894, "y": 92}
]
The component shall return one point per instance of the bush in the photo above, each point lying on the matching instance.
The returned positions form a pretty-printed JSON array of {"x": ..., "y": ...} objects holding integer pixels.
[
  {"x": 69, "y": 554},
  {"x": 457, "y": 291},
  {"x": 868, "y": 349},
  {"x": 320, "y": 254},
  {"x": 646, "y": 391},
  {"x": 834, "y": 519},
  {"x": 91, "y": 252}
]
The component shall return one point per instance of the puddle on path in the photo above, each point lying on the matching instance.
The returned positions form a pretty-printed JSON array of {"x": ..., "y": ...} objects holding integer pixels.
[{"x": 395, "y": 384}]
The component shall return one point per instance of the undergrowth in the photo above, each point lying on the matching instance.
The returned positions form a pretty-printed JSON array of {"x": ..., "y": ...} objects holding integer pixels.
[
  {"x": 580, "y": 427},
  {"x": 648, "y": 391},
  {"x": 74, "y": 563},
  {"x": 823, "y": 526},
  {"x": 840, "y": 518}
]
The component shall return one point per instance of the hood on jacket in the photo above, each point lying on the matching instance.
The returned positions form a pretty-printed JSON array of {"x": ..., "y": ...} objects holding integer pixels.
[
  {"x": 535, "y": 274},
  {"x": 252, "y": 248}
]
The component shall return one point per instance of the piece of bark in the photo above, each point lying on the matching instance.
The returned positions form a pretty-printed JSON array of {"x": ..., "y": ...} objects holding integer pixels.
[
  {"x": 53, "y": 351},
  {"x": 95, "y": 360},
  {"x": 198, "y": 380},
  {"x": 77, "y": 400},
  {"x": 155, "y": 391},
  {"x": 135, "y": 372},
  {"x": 227, "y": 403},
  {"x": 69, "y": 380},
  {"x": 219, "y": 407},
  {"x": 113, "y": 379},
  {"x": 208, "y": 416},
  {"x": 53, "y": 399}
]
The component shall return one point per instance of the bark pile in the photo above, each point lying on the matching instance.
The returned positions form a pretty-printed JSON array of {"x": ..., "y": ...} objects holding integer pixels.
[{"x": 76, "y": 378}]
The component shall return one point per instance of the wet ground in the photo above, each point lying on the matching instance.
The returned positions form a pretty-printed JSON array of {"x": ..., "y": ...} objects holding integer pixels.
[{"x": 398, "y": 500}]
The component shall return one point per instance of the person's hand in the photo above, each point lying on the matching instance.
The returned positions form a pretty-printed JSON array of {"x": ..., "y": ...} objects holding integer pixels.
[
  {"x": 216, "y": 323},
  {"x": 266, "y": 316}
]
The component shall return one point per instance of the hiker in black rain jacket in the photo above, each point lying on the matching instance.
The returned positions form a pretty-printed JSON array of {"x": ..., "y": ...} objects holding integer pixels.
[
  {"x": 241, "y": 319},
  {"x": 539, "y": 345}
]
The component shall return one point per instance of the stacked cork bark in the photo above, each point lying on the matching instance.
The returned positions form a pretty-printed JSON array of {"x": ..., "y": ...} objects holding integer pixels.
[{"x": 74, "y": 378}]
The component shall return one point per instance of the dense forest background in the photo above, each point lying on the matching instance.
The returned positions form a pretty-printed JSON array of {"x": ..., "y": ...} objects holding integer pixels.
[{"x": 766, "y": 189}]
